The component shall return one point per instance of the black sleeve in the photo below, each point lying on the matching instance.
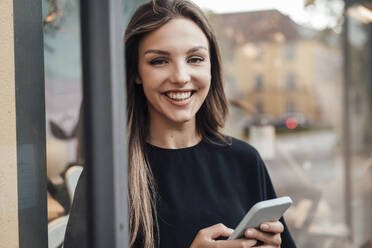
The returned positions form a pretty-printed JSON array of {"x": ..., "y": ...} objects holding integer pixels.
[
  {"x": 268, "y": 192},
  {"x": 76, "y": 231}
]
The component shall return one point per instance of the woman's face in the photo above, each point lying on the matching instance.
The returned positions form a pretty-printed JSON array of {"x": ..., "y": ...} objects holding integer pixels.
[{"x": 175, "y": 71}]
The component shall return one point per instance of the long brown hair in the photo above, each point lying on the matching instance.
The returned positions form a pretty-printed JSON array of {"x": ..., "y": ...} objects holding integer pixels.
[{"x": 209, "y": 119}]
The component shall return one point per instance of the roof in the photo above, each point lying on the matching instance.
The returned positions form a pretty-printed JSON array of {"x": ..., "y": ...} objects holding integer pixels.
[{"x": 264, "y": 25}]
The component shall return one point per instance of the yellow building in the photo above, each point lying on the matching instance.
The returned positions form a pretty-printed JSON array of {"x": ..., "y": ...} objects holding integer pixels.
[{"x": 279, "y": 69}]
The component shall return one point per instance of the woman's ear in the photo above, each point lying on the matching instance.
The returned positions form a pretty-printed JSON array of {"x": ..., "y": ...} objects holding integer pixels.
[{"x": 138, "y": 80}]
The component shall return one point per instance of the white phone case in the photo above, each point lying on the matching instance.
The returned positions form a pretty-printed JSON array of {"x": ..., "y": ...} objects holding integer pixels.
[{"x": 264, "y": 211}]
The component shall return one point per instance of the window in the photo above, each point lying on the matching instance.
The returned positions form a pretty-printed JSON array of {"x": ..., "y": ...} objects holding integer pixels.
[
  {"x": 259, "y": 108},
  {"x": 259, "y": 83},
  {"x": 289, "y": 51},
  {"x": 290, "y": 82},
  {"x": 259, "y": 53},
  {"x": 290, "y": 107}
]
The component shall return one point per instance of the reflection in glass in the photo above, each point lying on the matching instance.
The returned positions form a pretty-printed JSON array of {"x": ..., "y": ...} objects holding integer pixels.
[
  {"x": 297, "y": 90},
  {"x": 62, "y": 55}
]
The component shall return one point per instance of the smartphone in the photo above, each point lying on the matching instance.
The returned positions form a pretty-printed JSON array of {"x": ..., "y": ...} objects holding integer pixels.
[{"x": 264, "y": 211}]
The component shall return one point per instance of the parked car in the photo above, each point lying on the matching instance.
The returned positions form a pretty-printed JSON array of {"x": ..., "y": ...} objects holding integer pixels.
[{"x": 292, "y": 122}]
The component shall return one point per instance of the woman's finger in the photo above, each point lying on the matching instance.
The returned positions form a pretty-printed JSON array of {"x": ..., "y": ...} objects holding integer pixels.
[
  {"x": 215, "y": 231},
  {"x": 265, "y": 237},
  {"x": 267, "y": 246},
  {"x": 206, "y": 238},
  {"x": 236, "y": 243},
  {"x": 273, "y": 227}
]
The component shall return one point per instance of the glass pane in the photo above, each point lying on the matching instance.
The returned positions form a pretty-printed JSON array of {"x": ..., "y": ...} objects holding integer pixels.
[
  {"x": 283, "y": 75},
  {"x": 63, "y": 91},
  {"x": 283, "y": 72},
  {"x": 63, "y": 97}
]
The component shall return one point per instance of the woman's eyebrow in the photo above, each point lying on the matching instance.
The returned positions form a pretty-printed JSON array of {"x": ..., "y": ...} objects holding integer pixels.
[
  {"x": 194, "y": 49},
  {"x": 162, "y": 52}
]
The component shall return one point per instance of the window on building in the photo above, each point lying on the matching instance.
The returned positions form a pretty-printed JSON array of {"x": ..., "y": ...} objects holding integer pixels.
[
  {"x": 259, "y": 53},
  {"x": 290, "y": 107},
  {"x": 259, "y": 83},
  {"x": 259, "y": 108},
  {"x": 289, "y": 51},
  {"x": 290, "y": 82}
]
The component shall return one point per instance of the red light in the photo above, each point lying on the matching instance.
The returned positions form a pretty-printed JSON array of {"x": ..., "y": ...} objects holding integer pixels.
[{"x": 291, "y": 123}]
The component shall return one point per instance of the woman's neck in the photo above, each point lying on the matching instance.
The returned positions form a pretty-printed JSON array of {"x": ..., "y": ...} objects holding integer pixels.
[{"x": 173, "y": 135}]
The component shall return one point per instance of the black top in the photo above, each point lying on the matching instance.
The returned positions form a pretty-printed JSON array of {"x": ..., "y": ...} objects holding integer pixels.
[{"x": 198, "y": 187}]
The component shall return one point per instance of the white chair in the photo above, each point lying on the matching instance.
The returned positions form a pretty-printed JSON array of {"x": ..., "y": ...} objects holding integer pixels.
[
  {"x": 71, "y": 177},
  {"x": 56, "y": 231}
]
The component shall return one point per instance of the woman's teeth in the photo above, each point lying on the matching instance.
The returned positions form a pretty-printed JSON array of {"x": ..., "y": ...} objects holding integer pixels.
[{"x": 179, "y": 96}]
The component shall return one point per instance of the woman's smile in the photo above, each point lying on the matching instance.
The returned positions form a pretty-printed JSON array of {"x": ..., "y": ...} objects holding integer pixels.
[{"x": 179, "y": 98}]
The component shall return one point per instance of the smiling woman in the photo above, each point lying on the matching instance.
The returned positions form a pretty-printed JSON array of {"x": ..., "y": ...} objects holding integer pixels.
[
  {"x": 175, "y": 75},
  {"x": 188, "y": 183}
]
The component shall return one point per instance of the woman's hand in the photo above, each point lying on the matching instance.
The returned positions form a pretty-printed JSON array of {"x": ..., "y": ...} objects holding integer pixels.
[
  {"x": 206, "y": 238},
  {"x": 269, "y": 234}
]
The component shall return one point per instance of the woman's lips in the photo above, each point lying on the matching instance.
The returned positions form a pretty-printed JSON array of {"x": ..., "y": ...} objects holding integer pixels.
[{"x": 179, "y": 98}]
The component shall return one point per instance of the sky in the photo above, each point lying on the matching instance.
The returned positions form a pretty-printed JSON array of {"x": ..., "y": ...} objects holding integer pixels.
[{"x": 293, "y": 8}]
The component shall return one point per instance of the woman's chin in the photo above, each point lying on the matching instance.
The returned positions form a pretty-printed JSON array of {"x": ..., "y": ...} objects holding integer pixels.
[{"x": 181, "y": 119}]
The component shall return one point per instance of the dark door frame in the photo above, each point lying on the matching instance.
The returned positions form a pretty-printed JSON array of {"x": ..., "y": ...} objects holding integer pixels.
[{"x": 104, "y": 122}]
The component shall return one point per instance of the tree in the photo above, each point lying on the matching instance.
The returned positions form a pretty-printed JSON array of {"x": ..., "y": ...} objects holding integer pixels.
[{"x": 332, "y": 9}]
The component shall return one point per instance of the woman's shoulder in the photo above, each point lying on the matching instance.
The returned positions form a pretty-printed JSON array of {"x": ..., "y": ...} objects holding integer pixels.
[
  {"x": 236, "y": 148},
  {"x": 240, "y": 145}
]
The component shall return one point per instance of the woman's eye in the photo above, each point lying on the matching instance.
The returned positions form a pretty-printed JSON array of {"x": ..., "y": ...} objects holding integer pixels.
[
  {"x": 195, "y": 60},
  {"x": 158, "y": 61}
]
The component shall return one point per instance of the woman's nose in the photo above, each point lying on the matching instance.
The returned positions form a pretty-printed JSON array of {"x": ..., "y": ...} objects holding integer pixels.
[{"x": 180, "y": 73}]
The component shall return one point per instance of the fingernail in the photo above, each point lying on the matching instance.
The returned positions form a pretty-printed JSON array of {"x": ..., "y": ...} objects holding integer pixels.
[
  {"x": 265, "y": 226},
  {"x": 249, "y": 232}
]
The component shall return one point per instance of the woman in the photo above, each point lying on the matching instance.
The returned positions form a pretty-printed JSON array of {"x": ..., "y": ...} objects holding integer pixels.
[{"x": 188, "y": 183}]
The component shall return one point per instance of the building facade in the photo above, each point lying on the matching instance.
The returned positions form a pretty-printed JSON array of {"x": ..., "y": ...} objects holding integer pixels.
[{"x": 275, "y": 68}]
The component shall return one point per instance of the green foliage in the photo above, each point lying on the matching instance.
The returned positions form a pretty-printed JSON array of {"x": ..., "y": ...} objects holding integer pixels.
[
  {"x": 309, "y": 2},
  {"x": 331, "y": 8}
]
